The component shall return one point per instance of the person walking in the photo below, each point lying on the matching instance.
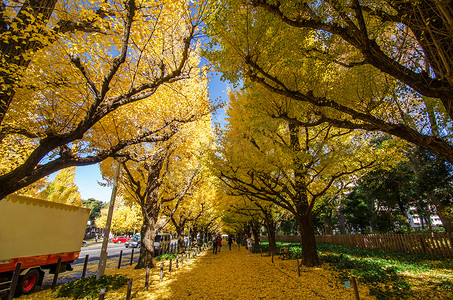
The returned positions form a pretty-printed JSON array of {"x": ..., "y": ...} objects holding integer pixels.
[
  {"x": 219, "y": 243},
  {"x": 214, "y": 246},
  {"x": 249, "y": 246},
  {"x": 230, "y": 241}
]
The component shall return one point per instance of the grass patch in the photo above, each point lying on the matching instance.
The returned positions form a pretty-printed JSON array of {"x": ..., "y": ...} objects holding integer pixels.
[
  {"x": 165, "y": 257},
  {"x": 89, "y": 287},
  {"x": 387, "y": 273}
]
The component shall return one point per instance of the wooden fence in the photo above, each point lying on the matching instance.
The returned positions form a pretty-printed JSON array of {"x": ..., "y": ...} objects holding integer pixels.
[{"x": 440, "y": 244}]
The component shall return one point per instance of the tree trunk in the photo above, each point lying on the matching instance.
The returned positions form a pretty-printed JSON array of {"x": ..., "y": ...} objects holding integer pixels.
[
  {"x": 341, "y": 219},
  {"x": 203, "y": 235},
  {"x": 428, "y": 220},
  {"x": 271, "y": 229},
  {"x": 148, "y": 234},
  {"x": 180, "y": 237},
  {"x": 256, "y": 234},
  {"x": 327, "y": 218},
  {"x": 13, "y": 51},
  {"x": 404, "y": 213},
  {"x": 443, "y": 214},
  {"x": 308, "y": 242},
  {"x": 193, "y": 236},
  {"x": 422, "y": 221}
]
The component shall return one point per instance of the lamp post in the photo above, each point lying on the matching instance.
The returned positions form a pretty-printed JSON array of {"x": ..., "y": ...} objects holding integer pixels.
[{"x": 103, "y": 256}]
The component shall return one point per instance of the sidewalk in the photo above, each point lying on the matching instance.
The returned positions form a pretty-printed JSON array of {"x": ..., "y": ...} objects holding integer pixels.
[
  {"x": 234, "y": 275},
  {"x": 230, "y": 275}
]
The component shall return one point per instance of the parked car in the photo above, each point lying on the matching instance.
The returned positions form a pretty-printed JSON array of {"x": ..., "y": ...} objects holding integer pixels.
[
  {"x": 162, "y": 243},
  {"x": 133, "y": 242},
  {"x": 120, "y": 239}
]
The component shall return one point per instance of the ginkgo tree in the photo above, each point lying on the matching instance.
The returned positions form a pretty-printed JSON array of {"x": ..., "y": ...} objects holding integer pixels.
[
  {"x": 63, "y": 188},
  {"x": 159, "y": 176},
  {"x": 243, "y": 211},
  {"x": 198, "y": 203},
  {"x": 245, "y": 218},
  {"x": 271, "y": 216},
  {"x": 102, "y": 57},
  {"x": 284, "y": 163},
  {"x": 366, "y": 65},
  {"x": 209, "y": 222},
  {"x": 126, "y": 218}
]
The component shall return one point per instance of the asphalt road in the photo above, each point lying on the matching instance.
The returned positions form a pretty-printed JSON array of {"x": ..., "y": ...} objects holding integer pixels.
[{"x": 93, "y": 250}]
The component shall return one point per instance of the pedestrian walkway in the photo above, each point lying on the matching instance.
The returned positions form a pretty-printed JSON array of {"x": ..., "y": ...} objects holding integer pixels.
[
  {"x": 229, "y": 274},
  {"x": 234, "y": 275}
]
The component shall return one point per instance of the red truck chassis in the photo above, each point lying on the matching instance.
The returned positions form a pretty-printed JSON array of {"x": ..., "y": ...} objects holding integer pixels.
[{"x": 34, "y": 276}]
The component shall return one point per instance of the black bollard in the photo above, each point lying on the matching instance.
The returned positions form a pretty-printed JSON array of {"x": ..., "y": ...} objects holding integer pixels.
[
  {"x": 298, "y": 267},
  {"x": 85, "y": 264},
  {"x": 129, "y": 289},
  {"x": 354, "y": 285},
  {"x": 102, "y": 294},
  {"x": 147, "y": 279},
  {"x": 121, "y": 257}
]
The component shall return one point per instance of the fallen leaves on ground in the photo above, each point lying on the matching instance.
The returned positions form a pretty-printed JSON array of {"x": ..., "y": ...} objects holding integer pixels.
[{"x": 230, "y": 275}]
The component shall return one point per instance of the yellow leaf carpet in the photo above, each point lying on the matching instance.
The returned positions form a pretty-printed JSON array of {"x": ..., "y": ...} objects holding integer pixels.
[
  {"x": 234, "y": 275},
  {"x": 230, "y": 275}
]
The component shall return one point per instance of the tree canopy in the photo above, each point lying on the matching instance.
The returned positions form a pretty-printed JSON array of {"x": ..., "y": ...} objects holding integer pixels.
[
  {"x": 375, "y": 65},
  {"x": 82, "y": 78},
  {"x": 298, "y": 168}
]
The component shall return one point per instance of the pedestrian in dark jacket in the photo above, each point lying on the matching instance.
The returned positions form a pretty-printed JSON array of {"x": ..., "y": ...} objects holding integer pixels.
[
  {"x": 230, "y": 241},
  {"x": 214, "y": 246}
]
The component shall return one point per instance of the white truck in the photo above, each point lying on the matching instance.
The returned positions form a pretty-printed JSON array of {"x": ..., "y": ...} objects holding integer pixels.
[{"x": 37, "y": 233}]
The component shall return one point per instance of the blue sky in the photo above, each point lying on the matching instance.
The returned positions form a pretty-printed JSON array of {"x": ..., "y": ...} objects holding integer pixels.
[{"x": 87, "y": 177}]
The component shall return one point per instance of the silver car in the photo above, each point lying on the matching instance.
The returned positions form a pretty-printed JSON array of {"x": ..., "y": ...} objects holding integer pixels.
[{"x": 133, "y": 242}]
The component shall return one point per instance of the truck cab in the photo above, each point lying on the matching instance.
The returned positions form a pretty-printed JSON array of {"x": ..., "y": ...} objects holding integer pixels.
[{"x": 37, "y": 234}]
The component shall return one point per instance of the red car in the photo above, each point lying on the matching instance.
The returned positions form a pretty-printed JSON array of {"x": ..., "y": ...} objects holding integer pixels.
[{"x": 121, "y": 239}]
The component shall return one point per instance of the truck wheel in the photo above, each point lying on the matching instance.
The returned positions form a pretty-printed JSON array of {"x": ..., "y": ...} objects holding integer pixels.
[{"x": 28, "y": 282}]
